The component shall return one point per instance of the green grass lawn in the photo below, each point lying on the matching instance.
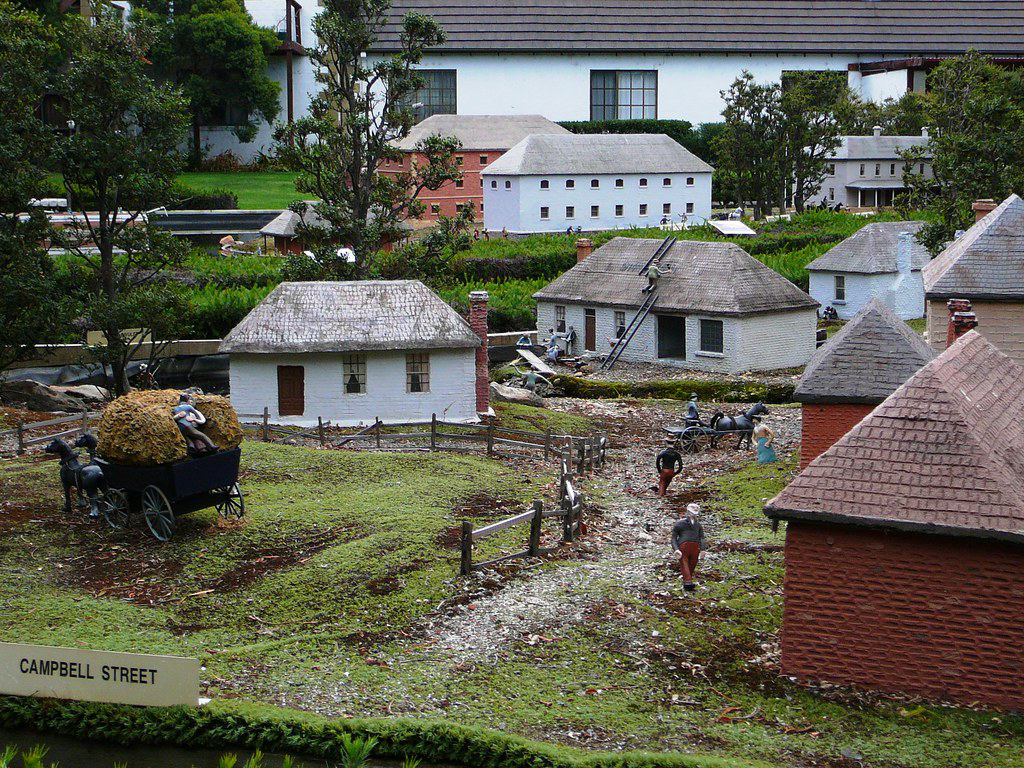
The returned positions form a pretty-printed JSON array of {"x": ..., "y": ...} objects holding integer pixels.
[{"x": 264, "y": 189}]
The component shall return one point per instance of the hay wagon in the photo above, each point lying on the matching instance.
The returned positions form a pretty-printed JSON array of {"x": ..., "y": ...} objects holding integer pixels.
[{"x": 164, "y": 492}]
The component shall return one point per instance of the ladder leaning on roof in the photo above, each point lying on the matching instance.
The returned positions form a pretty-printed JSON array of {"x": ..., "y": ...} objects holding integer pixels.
[{"x": 645, "y": 309}]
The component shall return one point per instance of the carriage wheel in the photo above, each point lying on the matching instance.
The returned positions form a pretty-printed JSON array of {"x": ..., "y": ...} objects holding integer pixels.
[
  {"x": 158, "y": 513},
  {"x": 115, "y": 508},
  {"x": 233, "y": 505},
  {"x": 694, "y": 441}
]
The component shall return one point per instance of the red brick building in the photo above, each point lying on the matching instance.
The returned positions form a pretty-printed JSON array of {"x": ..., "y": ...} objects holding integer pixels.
[
  {"x": 905, "y": 540},
  {"x": 858, "y": 368},
  {"x": 484, "y": 139}
]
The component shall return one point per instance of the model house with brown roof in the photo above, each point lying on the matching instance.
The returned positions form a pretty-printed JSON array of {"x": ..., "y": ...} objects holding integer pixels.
[
  {"x": 985, "y": 265},
  {"x": 882, "y": 260},
  {"x": 864, "y": 363},
  {"x": 716, "y": 307},
  {"x": 905, "y": 540}
]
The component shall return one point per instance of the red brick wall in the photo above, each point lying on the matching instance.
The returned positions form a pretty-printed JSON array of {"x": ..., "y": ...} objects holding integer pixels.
[
  {"x": 923, "y": 614},
  {"x": 824, "y": 424},
  {"x": 447, "y": 196},
  {"x": 478, "y": 322}
]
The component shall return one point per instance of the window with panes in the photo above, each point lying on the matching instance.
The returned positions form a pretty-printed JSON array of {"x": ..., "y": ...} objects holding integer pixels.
[
  {"x": 559, "y": 319},
  {"x": 417, "y": 373},
  {"x": 620, "y": 324},
  {"x": 711, "y": 336},
  {"x": 623, "y": 94},
  {"x": 436, "y": 97},
  {"x": 354, "y": 372}
]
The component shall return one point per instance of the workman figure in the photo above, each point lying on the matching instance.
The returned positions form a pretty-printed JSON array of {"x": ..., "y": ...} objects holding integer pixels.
[
  {"x": 525, "y": 342},
  {"x": 666, "y": 464},
  {"x": 570, "y": 339},
  {"x": 692, "y": 415},
  {"x": 186, "y": 417},
  {"x": 687, "y": 542},
  {"x": 653, "y": 273}
]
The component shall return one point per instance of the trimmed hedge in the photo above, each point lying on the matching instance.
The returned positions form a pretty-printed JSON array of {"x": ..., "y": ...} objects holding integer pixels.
[
  {"x": 189, "y": 199},
  {"x": 716, "y": 390},
  {"x": 227, "y": 725}
]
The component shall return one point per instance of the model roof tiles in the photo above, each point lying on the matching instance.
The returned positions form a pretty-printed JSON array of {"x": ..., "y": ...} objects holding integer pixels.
[
  {"x": 878, "y": 147},
  {"x": 873, "y": 250},
  {"x": 480, "y": 132},
  {"x": 987, "y": 261},
  {"x": 866, "y": 361},
  {"x": 943, "y": 454},
  {"x": 350, "y": 317},
  {"x": 908, "y": 27},
  {"x": 596, "y": 153},
  {"x": 714, "y": 278}
]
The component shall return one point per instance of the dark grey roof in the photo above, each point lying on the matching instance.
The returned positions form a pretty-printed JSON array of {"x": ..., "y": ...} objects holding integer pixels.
[
  {"x": 904, "y": 27},
  {"x": 873, "y": 249},
  {"x": 866, "y": 361},
  {"x": 986, "y": 262},
  {"x": 477, "y": 132},
  {"x": 597, "y": 153},
  {"x": 709, "y": 278},
  {"x": 878, "y": 147},
  {"x": 353, "y": 316},
  {"x": 284, "y": 224}
]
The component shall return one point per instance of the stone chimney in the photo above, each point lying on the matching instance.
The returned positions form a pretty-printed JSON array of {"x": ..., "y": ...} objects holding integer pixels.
[
  {"x": 904, "y": 247},
  {"x": 478, "y": 322},
  {"x": 982, "y": 208},
  {"x": 877, "y": 131},
  {"x": 583, "y": 248},
  {"x": 961, "y": 319}
]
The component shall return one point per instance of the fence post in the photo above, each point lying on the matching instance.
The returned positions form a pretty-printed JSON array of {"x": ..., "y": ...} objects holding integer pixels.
[
  {"x": 466, "y": 565},
  {"x": 85, "y": 420},
  {"x": 580, "y": 459},
  {"x": 535, "y": 523},
  {"x": 433, "y": 431},
  {"x": 579, "y": 515},
  {"x": 266, "y": 424},
  {"x": 21, "y": 438},
  {"x": 376, "y": 424},
  {"x": 490, "y": 439},
  {"x": 566, "y": 518},
  {"x": 547, "y": 444}
]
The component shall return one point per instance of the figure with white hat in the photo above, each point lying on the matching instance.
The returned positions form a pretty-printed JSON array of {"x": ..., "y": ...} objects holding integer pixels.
[{"x": 688, "y": 541}]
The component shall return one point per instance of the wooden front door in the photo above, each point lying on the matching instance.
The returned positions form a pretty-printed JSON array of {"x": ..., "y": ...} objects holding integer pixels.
[
  {"x": 291, "y": 390},
  {"x": 590, "y": 330}
]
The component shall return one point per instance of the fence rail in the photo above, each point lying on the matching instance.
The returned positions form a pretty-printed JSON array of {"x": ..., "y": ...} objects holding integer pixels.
[{"x": 24, "y": 441}]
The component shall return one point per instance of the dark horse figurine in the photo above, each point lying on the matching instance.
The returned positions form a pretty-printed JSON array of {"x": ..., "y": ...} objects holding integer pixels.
[
  {"x": 88, "y": 441},
  {"x": 86, "y": 480},
  {"x": 744, "y": 425}
]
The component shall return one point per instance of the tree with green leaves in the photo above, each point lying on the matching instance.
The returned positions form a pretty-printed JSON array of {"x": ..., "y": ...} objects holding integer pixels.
[
  {"x": 976, "y": 110},
  {"x": 218, "y": 56},
  {"x": 362, "y": 108},
  {"x": 30, "y": 310},
  {"x": 118, "y": 161}
]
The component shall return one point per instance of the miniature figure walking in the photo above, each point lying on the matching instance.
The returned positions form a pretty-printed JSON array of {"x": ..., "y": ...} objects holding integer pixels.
[
  {"x": 688, "y": 541},
  {"x": 666, "y": 464}
]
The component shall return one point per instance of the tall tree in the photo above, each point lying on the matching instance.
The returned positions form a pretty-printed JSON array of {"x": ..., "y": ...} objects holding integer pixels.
[
  {"x": 118, "y": 161},
  {"x": 977, "y": 145},
  {"x": 218, "y": 56},
  {"x": 362, "y": 107},
  {"x": 29, "y": 311}
]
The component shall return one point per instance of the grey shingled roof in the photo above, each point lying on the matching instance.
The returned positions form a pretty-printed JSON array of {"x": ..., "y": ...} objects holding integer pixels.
[
  {"x": 934, "y": 457},
  {"x": 477, "y": 132},
  {"x": 866, "y": 361},
  {"x": 872, "y": 250},
  {"x": 707, "y": 277},
  {"x": 284, "y": 224},
  {"x": 986, "y": 262},
  {"x": 878, "y": 147},
  {"x": 902, "y": 27},
  {"x": 597, "y": 153},
  {"x": 353, "y": 316}
]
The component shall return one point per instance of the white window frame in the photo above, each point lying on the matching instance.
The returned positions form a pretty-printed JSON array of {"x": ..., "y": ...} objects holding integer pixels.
[{"x": 839, "y": 289}]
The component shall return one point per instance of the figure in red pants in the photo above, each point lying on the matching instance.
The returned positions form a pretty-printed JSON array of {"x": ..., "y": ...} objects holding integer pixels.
[
  {"x": 666, "y": 464},
  {"x": 687, "y": 542}
]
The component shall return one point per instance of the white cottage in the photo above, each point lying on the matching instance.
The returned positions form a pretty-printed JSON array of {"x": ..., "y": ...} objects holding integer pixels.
[
  {"x": 550, "y": 183},
  {"x": 715, "y": 309},
  {"x": 350, "y": 352},
  {"x": 882, "y": 261}
]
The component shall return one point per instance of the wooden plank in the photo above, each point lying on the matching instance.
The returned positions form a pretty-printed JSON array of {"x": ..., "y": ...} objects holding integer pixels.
[
  {"x": 508, "y": 522},
  {"x": 364, "y": 433},
  {"x": 404, "y": 435},
  {"x": 44, "y": 438},
  {"x": 535, "y": 362},
  {"x": 495, "y": 561},
  {"x": 52, "y": 422},
  {"x": 471, "y": 438}
]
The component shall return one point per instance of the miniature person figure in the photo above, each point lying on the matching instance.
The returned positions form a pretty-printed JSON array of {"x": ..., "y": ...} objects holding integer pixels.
[
  {"x": 666, "y": 464},
  {"x": 570, "y": 339},
  {"x": 531, "y": 379},
  {"x": 553, "y": 350},
  {"x": 653, "y": 273},
  {"x": 692, "y": 414},
  {"x": 525, "y": 342},
  {"x": 187, "y": 417},
  {"x": 765, "y": 437},
  {"x": 687, "y": 542}
]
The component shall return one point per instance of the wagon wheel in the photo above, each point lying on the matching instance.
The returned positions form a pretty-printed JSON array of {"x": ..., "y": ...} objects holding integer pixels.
[
  {"x": 158, "y": 513},
  {"x": 694, "y": 440},
  {"x": 233, "y": 504},
  {"x": 115, "y": 508}
]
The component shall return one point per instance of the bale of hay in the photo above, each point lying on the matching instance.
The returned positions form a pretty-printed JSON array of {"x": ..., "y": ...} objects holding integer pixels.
[{"x": 138, "y": 429}]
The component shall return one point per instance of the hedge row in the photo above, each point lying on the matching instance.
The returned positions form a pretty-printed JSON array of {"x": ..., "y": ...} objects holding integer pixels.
[
  {"x": 715, "y": 390},
  {"x": 234, "y": 725}
]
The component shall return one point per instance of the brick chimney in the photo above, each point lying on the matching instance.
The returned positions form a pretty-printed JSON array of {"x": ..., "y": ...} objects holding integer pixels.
[
  {"x": 961, "y": 319},
  {"x": 478, "y": 322},
  {"x": 583, "y": 248},
  {"x": 982, "y": 208}
]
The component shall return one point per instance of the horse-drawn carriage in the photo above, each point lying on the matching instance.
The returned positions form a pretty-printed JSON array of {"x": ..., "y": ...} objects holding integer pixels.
[
  {"x": 695, "y": 435},
  {"x": 164, "y": 492}
]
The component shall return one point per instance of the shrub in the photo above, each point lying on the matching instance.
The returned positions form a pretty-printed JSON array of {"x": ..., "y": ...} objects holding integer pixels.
[
  {"x": 216, "y": 310},
  {"x": 189, "y": 199},
  {"x": 511, "y": 306}
]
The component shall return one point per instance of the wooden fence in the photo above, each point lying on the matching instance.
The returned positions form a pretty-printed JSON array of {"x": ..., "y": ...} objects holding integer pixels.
[
  {"x": 21, "y": 431},
  {"x": 570, "y": 509}
]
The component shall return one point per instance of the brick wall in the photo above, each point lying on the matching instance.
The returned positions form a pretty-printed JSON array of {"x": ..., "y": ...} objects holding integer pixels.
[
  {"x": 922, "y": 614},
  {"x": 449, "y": 195},
  {"x": 824, "y": 424}
]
